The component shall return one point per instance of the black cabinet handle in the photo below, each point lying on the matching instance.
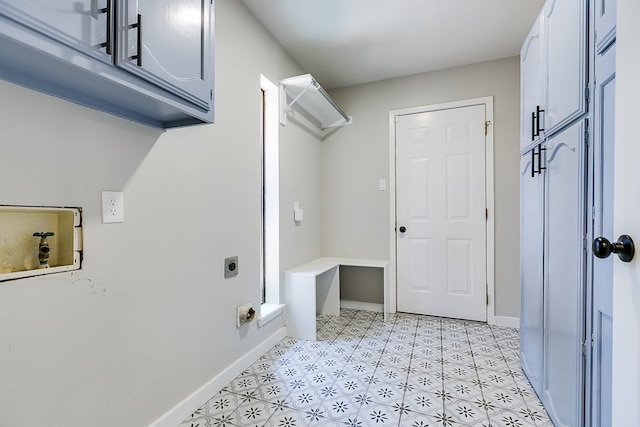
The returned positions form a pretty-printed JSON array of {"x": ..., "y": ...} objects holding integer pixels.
[
  {"x": 138, "y": 55},
  {"x": 107, "y": 44},
  {"x": 538, "y": 128},
  {"x": 535, "y": 122},
  {"x": 402, "y": 228},
  {"x": 540, "y": 168},
  {"x": 540, "y": 150},
  {"x": 624, "y": 247}
]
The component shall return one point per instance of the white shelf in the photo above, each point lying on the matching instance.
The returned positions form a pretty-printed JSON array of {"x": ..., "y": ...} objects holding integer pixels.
[{"x": 305, "y": 92}]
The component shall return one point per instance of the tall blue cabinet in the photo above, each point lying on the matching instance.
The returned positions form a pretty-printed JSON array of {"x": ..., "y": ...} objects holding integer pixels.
[
  {"x": 566, "y": 186},
  {"x": 554, "y": 148}
]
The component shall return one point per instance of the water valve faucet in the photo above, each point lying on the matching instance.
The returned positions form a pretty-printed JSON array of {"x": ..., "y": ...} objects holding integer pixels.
[{"x": 43, "y": 248}]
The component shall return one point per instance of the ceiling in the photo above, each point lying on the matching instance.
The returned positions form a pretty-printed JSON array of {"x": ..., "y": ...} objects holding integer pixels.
[{"x": 348, "y": 42}]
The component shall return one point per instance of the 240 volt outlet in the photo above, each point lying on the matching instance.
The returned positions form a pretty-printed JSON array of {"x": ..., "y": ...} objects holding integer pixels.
[{"x": 230, "y": 267}]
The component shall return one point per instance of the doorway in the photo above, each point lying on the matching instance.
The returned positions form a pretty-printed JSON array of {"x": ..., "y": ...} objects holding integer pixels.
[{"x": 442, "y": 204}]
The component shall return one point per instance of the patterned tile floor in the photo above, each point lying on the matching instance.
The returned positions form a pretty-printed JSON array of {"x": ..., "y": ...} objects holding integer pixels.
[{"x": 412, "y": 370}]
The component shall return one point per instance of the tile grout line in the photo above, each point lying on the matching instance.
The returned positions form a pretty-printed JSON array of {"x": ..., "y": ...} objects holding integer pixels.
[
  {"x": 486, "y": 411},
  {"x": 404, "y": 394},
  {"x": 355, "y": 347},
  {"x": 444, "y": 411},
  {"x": 386, "y": 341}
]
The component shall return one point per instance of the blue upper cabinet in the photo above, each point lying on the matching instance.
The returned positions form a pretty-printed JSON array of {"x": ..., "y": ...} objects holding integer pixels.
[
  {"x": 80, "y": 25},
  {"x": 567, "y": 53},
  {"x": 163, "y": 41},
  {"x": 531, "y": 86},
  {"x": 553, "y": 67},
  {"x": 148, "y": 61}
]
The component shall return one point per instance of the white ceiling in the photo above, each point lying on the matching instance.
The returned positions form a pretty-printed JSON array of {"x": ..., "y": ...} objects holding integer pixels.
[{"x": 348, "y": 42}]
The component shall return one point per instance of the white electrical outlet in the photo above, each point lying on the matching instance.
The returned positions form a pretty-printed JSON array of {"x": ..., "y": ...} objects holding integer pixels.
[{"x": 112, "y": 207}]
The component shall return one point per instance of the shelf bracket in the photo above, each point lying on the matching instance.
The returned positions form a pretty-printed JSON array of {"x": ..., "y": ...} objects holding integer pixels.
[{"x": 307, "y": 93}]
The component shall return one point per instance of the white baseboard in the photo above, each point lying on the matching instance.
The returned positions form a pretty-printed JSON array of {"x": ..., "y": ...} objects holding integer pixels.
[
  {"x": 188, "y": 406},
  {"x": 509, "y": 322},
  {"x": 359, "y": 305}
]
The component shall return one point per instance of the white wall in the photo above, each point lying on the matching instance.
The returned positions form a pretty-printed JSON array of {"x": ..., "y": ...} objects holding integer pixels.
[
  {"x": 149, "y": 318},
  {"x": 356, "y": 214}
]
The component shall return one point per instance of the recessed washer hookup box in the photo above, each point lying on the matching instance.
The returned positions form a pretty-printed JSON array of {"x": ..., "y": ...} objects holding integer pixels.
[{"x": 39, "y": 240}]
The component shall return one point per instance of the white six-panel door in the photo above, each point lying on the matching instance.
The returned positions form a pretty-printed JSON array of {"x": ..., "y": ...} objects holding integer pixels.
[{"x": 440, "y": 190}]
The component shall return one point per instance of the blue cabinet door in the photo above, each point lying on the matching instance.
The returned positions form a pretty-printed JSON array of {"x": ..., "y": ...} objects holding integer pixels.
[
  {"x": 532, "y": 100},
  {"x": 78, "y": 24},
  {"x": 564, "y": 290},
  {"x": 168, "y": 42},
  {"x": 602, "y": 279},
  {"x": 567, "y": 60},
  {"x": 605, "y": 24},
  {"x": 531, "y": 272}
]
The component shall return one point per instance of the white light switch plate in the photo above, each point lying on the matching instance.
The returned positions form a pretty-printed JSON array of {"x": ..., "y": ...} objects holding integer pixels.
[{"x": 112, "y": 207}]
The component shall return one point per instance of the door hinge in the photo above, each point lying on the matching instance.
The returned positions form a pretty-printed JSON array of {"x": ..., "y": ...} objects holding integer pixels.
[
  {"x": 211, "y": 91},
  {"x": 486, "y": 214},
  {"x": 584, "y": 349},
  {"x": 587, "y": 92},
  {"x": 487, "y": 123},
  {"x": 486, "y": 292},
  {"x": 586, "y": 132},
  {"x": 585, "y": 243}
]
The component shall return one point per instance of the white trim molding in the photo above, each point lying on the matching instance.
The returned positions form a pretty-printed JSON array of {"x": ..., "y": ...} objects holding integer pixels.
[
  {"x": 273, "y": 291},
  {"x": 360, "y": 305},
  {"x": 188, "y": 406},
  {"x": 509, "y": 322},
  {"x": 268, "y": 312}
]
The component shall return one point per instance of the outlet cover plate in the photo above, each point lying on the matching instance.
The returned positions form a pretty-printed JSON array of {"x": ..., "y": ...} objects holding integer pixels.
[
  {"x": 112, "y": 207},
  {"x": 230, "y": 267}
]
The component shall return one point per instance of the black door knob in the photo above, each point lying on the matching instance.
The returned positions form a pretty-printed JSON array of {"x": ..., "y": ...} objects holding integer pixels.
[
  {"x": 403, "y": 228},
  {"x": 624, "y": 247}
]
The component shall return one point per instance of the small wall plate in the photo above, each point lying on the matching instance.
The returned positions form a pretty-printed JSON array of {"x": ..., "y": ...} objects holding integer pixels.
[{"x": 230, "y": 267}]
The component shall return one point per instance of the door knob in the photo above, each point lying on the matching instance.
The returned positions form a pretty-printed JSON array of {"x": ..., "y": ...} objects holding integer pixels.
[
  {"x": 403, "y": 228},
  {"x": 624, "y": 247}
]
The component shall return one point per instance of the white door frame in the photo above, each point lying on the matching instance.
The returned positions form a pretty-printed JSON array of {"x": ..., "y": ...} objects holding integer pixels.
[{"x": 490, "y": 225}]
